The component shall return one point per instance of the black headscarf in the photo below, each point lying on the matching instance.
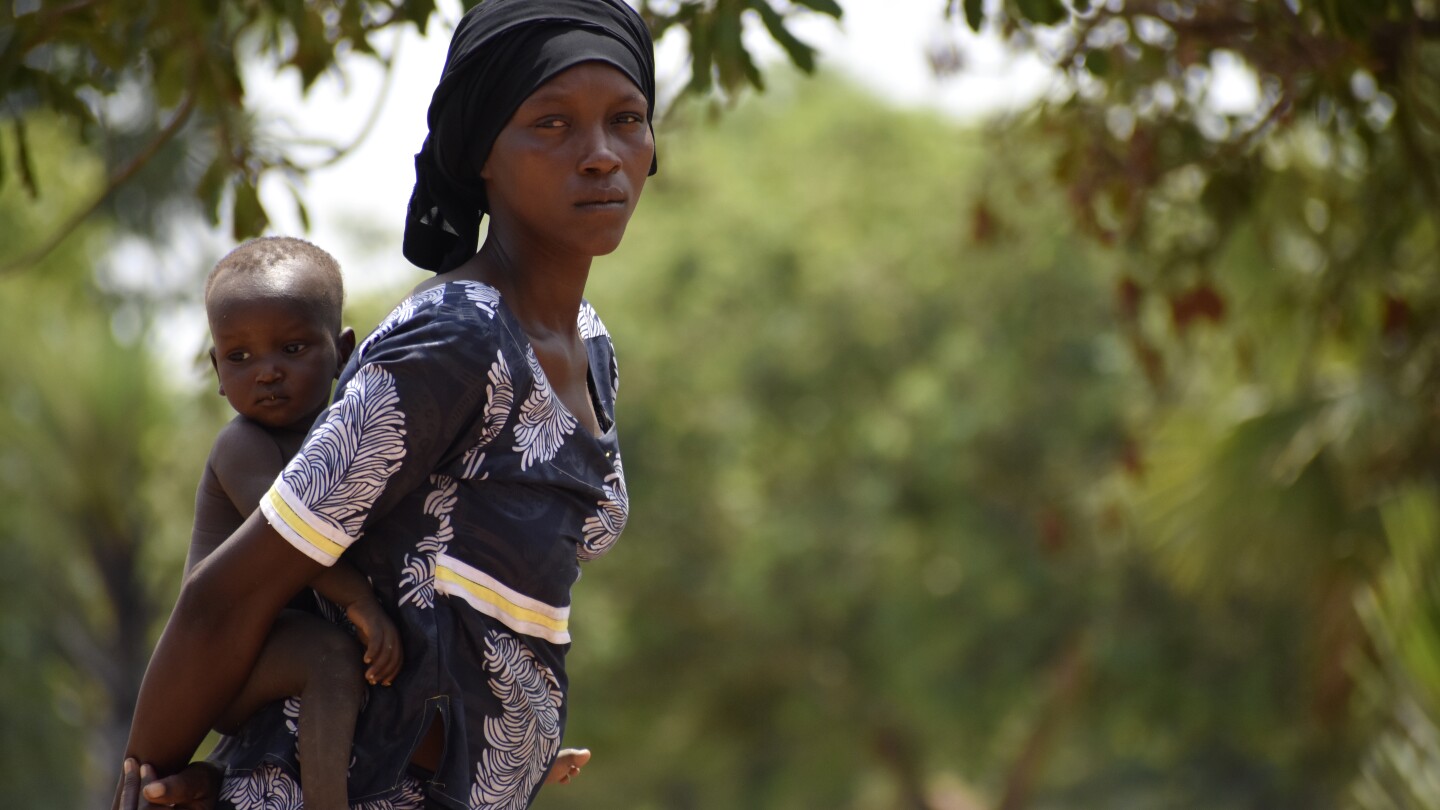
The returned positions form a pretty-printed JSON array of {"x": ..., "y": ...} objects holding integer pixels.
[{"x": 502, "y": 51}]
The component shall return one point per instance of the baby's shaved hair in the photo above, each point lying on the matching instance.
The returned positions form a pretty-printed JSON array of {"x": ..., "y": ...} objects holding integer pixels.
[{"x": 260, "y": 256}]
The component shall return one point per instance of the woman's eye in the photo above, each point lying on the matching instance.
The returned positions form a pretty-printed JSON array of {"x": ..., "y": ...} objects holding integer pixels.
[
  {"x": 630, "y": 118},
  {"x": 551, "y": 123}
]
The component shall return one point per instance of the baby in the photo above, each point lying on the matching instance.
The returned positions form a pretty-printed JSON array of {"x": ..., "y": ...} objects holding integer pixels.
[{"x": 274, "y": 310}]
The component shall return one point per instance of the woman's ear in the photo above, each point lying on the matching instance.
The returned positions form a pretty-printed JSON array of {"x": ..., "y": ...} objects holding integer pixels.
[
  {"x": 215, "y": 364},
  {"x": 344, "y": 347}
]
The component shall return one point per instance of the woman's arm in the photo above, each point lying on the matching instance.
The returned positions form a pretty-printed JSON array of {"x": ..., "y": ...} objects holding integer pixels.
[{"x": 220, "y": 621}]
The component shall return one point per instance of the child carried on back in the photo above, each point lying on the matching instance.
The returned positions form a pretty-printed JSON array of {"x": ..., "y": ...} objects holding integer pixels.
[{"x": 274, "y": 307}]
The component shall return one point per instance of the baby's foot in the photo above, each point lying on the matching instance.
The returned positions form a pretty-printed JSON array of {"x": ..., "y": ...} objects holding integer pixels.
[{"x": 567, "y": 765}]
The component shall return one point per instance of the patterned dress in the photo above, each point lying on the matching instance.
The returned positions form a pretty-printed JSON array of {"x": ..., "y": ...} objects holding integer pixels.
[{"x": 451, "y": 475}]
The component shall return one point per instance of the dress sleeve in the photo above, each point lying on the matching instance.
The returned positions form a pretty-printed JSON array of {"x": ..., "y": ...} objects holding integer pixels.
[{"x": 411, "y": 400}]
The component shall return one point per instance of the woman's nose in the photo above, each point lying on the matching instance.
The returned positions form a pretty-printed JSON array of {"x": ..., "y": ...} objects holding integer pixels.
[{"x": 600, "y": 155}]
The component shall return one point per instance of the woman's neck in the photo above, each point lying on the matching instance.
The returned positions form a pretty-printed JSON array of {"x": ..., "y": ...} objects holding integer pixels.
[{"x": 543, "y": 291}]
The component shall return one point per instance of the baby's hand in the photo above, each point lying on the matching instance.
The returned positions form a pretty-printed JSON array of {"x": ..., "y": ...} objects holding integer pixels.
[
  {"x": 567, "y": 765},
  {"x": 381, "y": 639}
]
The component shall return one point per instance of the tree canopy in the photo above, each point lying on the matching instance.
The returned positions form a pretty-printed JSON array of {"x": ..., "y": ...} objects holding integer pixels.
[
  {"x": 1079, "y": 458},
  {"x": 136, "y": 76}
]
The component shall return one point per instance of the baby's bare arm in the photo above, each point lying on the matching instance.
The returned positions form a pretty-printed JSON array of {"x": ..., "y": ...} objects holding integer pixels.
[
  {"x": 349, "y": 589},
  {"x": 246, "y": 461},
  {"x": 243, "y": 463}
]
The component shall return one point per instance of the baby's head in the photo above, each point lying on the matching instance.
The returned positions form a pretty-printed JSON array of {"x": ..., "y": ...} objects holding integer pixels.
[{"x": 274, "y": 309}]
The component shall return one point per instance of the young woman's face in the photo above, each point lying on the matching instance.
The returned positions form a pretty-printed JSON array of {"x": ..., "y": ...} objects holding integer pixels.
[
  {"x": 274, "y": 359},
  {"x": 569, "y": 166}
]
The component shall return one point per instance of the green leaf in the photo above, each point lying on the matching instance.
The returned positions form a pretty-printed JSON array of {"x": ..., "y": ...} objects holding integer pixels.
[
  {"x": 701, "y": 55},
  {"x": 830, "y": 7},
  {"x": 419, "y": 12},
  {"x": 974, "y": 14},
  {"x": 1098, "y": 63},
  {"x": 731, "y": 59},
  {"x": 313, "y": 52},
  {"x": 172, "y": 75},
  {"x": 250, "y": 217},
  {"x": 211, "y": 188},
  {"x": 1042, "y": 12},
  {"x": 801, "y": 54},
  {"x": 22, "y": 156}
]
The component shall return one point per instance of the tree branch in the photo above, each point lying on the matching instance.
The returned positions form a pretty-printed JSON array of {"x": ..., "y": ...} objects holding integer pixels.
[{"x": 182, "y": 114}]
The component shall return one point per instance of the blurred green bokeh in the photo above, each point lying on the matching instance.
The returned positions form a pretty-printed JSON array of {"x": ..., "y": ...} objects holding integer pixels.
[{"x": 937, "y": 500}]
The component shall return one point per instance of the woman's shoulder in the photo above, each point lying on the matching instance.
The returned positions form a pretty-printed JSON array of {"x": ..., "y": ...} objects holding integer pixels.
[
  {"x": 591, "y": 327},
  {"x": 436, "y": 314}
]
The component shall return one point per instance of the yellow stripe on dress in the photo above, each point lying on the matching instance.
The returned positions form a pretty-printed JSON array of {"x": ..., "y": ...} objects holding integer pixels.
[
  {"x": 489, "y": 596},
  {"x": 291, "y": 526}
]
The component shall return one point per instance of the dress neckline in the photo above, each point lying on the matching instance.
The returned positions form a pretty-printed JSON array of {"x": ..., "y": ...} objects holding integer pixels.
[{"x": 604, "y": 419}]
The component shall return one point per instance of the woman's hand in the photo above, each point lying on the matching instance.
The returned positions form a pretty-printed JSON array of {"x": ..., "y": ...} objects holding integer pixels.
[
  {"x": 196, "y": 787},
  {"x": 380, "y": 637}
]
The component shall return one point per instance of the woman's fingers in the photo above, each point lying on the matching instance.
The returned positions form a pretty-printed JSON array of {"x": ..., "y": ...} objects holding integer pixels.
[
  {"x": 195, "y": 787},
  {"x": 127, "y": 793}
]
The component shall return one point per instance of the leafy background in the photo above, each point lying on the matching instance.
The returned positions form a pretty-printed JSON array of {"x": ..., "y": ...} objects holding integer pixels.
[{"x": 1083, "y": 456}]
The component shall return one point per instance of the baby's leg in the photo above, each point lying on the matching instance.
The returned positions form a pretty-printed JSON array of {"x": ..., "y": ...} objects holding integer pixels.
[
  {"x": 309, "y": 657},
  {"x": 567, "y": 765}
]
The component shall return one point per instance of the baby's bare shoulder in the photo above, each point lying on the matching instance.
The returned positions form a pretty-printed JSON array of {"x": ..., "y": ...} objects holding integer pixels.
[{"x": 245, "y": 459}]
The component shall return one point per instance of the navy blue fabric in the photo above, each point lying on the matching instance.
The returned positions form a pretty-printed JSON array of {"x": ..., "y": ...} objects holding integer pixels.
[{"x": 491, "y": 473}]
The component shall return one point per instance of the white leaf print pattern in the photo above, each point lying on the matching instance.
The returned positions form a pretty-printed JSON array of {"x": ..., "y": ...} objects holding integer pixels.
[
  {"x": 352, "y": 454},
  {"x": 544, "y": 423},
  {"x": 526, "y": 737},
  {"x": 589, "y": 322},
  {"x": 409, "y": 796},
  {"x": 418, "y": 575},
  {"x": 292, "y": 716},
  {"x": 268, "y": 787},
  {"x": 403, "y": 312},
  {"x": 483, "y": 296},
  {"x": 603, "y": 528},
  {"x": 499, "y": 401}
]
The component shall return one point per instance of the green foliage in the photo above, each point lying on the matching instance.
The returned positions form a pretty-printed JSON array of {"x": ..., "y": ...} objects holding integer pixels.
[
  {"x": 181, "y": 65},
  {"x": 1402, "y": 613},
  {"x": 96, "y": 505},
  {"x": 1279, "y": 256},
  {"x": 876, "y": 556}
]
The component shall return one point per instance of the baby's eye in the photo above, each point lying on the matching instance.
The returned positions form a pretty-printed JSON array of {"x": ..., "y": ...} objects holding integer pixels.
[
  {"x": 294, "y": 348},
  {"x": 238, "y": 356}
]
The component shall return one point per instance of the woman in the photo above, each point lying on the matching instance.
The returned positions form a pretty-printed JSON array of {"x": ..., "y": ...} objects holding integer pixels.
[{"x": 470, "y": 458}]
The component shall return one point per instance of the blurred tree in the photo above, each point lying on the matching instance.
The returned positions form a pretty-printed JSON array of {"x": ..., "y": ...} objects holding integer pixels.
[
  {"x": 1270, "y": 176},
  {"x": 98, "y": 458},
  {"x": 876, "y": 556},
  {"x": 1402, "y": 612},
  {"x": 159, "y": 88}
]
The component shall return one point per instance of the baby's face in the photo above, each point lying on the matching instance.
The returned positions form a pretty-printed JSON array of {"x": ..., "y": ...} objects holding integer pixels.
[{"x": 274, "y": 356}]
